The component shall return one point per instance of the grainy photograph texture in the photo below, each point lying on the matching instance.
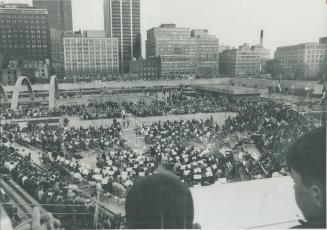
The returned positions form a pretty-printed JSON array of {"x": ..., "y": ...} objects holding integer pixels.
[{"x": 163, "y": 114}]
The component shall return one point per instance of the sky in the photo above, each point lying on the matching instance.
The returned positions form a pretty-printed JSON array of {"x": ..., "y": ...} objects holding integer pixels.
[{"x": 234, "y": 22}]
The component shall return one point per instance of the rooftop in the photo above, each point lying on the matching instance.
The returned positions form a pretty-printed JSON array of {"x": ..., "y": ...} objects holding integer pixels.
[{"x": 226, "y": 89}]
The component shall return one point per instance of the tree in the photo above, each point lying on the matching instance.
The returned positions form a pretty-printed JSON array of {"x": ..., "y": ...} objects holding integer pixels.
[{"x": 274, "y": 68}]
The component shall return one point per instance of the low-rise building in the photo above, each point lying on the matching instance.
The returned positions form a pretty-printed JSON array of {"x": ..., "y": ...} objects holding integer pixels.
[
  {"x": 303, "y": 61},
  {"x": 35, "y": 71},
  {"x": 38, "y": 70},
  {"x": 147, "y": 68},
  {"x": 8, "y": 76},
  {"x": 244, "y": 61},
  {"x": 223, "y": 47},
  {"x": 90, "y": 55}
]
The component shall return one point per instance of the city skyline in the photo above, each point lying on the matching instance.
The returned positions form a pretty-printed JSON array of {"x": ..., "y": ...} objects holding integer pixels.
[{"x": 281, "y": 27}]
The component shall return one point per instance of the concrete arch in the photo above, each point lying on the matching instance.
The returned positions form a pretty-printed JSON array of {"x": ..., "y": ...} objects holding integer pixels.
[
  {"x": 17, "y": 89},
  {"x": 3, "y": 95},
  {"x": 53, "y": 91}
]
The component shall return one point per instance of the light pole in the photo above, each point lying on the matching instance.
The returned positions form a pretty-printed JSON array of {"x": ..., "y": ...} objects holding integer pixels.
[
  {"x": 292, "y": 87},
  {"x": 274, "y": 89},
  {"x": 307, "y": 95}
]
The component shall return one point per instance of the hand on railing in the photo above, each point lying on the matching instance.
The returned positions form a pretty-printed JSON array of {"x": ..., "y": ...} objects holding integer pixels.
[{"x": 40, "y": 222}]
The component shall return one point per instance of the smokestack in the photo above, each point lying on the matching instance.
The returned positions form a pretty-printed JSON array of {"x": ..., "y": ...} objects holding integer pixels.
[{"x": 261, "y": 38}]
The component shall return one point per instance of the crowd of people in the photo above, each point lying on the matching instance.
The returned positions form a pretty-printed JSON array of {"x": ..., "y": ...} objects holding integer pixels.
[
  {"x": 50, "y": 188},
  {"x": 179, "y": 146},
  {"x": 70, "y": 139},
  {"x": 93, "y": 110},
  {"x": 178, "y": 103},
  {"x": 163, "y": 195},
  {"x": 162, "y": 201},
  {"x": 116, "y": 170},
  {"x": 181, "y": 131},
  {"x": 272, "y": 126},
  {"x": 28, "y": 111}
]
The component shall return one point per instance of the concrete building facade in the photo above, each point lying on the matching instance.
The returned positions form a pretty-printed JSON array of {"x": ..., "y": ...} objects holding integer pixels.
[
  {"x": 207, "y": 52},
  {"x": 57, "y": 52},
  {"x": 176, "y": 50},
  {"x": 90, "y": 55},
  {"x": 303, "y": 61},
  {"x": 24, "y": 33},
  {"x": 60, "y": 20},
  {"x": 183, "y": 53},
  {"x": 122, "y": 21},
  {"x": 33, "y": 70},
  {"x": 8, "y": 76},
  {"x": 244, "y": 61},
  {"x": 59, "y": 11},
  {"x": 146, "y": 68}
]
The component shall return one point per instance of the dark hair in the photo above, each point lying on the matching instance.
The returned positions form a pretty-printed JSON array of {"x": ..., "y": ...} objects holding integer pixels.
[
  {"x": 307, "y": 156},
  {"x": 159, "y": 201}
]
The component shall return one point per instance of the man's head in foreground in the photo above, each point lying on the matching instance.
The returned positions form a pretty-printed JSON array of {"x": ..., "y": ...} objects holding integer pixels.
[
  {"x": 159, "y": 201},
  {"x": 306, "y": 160}
]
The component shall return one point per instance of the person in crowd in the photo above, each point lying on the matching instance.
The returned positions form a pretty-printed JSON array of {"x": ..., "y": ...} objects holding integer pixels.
[
  {"x": 159, "y": 201},
  {"x": 306, "y": 160}
]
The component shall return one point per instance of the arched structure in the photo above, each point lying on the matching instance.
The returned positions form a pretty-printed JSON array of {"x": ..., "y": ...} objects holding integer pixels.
[
  {"x": 17, "y": 89},
  {"x": 53, "y": 91},
  {"x": 3, "y": 95}
]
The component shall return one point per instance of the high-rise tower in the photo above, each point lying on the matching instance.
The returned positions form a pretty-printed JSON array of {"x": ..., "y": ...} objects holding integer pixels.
[
  {"x": 60, "y": 21},
  {"x": 59, "y": 11},
  {"x": 122, "y": 21},
  {"x": 24, "y": 33}
]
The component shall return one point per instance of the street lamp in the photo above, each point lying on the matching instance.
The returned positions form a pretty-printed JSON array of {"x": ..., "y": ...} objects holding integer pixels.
[{"x": 307, "y": 90}]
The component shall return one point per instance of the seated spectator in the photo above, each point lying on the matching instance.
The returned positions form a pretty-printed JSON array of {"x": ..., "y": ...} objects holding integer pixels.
[
  {"x": 159, "y": 201},
  {"x": 306, "y": 160}
]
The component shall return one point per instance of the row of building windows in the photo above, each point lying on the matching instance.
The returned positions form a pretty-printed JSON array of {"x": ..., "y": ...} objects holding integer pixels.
[
  {"x": 23, "y": 21},
  {"x": 90, "y": 60},
  {"x": 76, "y": 42},
  {"x": 20, "y": 15}
]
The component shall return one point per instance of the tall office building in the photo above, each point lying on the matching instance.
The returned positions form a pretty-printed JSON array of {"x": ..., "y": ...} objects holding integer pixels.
[
  {"x": 90, "y": 55},
  {"x": 59, "y": 11},
  {"x": 24, "y": 33},
  {"x": 122, "y": 21},
  {"x": 207, "y": 52},
  {"x": 57, "y": 52},
  {"x": 60, "y": 20},
  {"x": 176, "y": 49}
]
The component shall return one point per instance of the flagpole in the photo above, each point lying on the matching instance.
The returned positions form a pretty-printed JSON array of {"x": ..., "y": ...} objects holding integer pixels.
[{"x": 323, "y": 99}]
